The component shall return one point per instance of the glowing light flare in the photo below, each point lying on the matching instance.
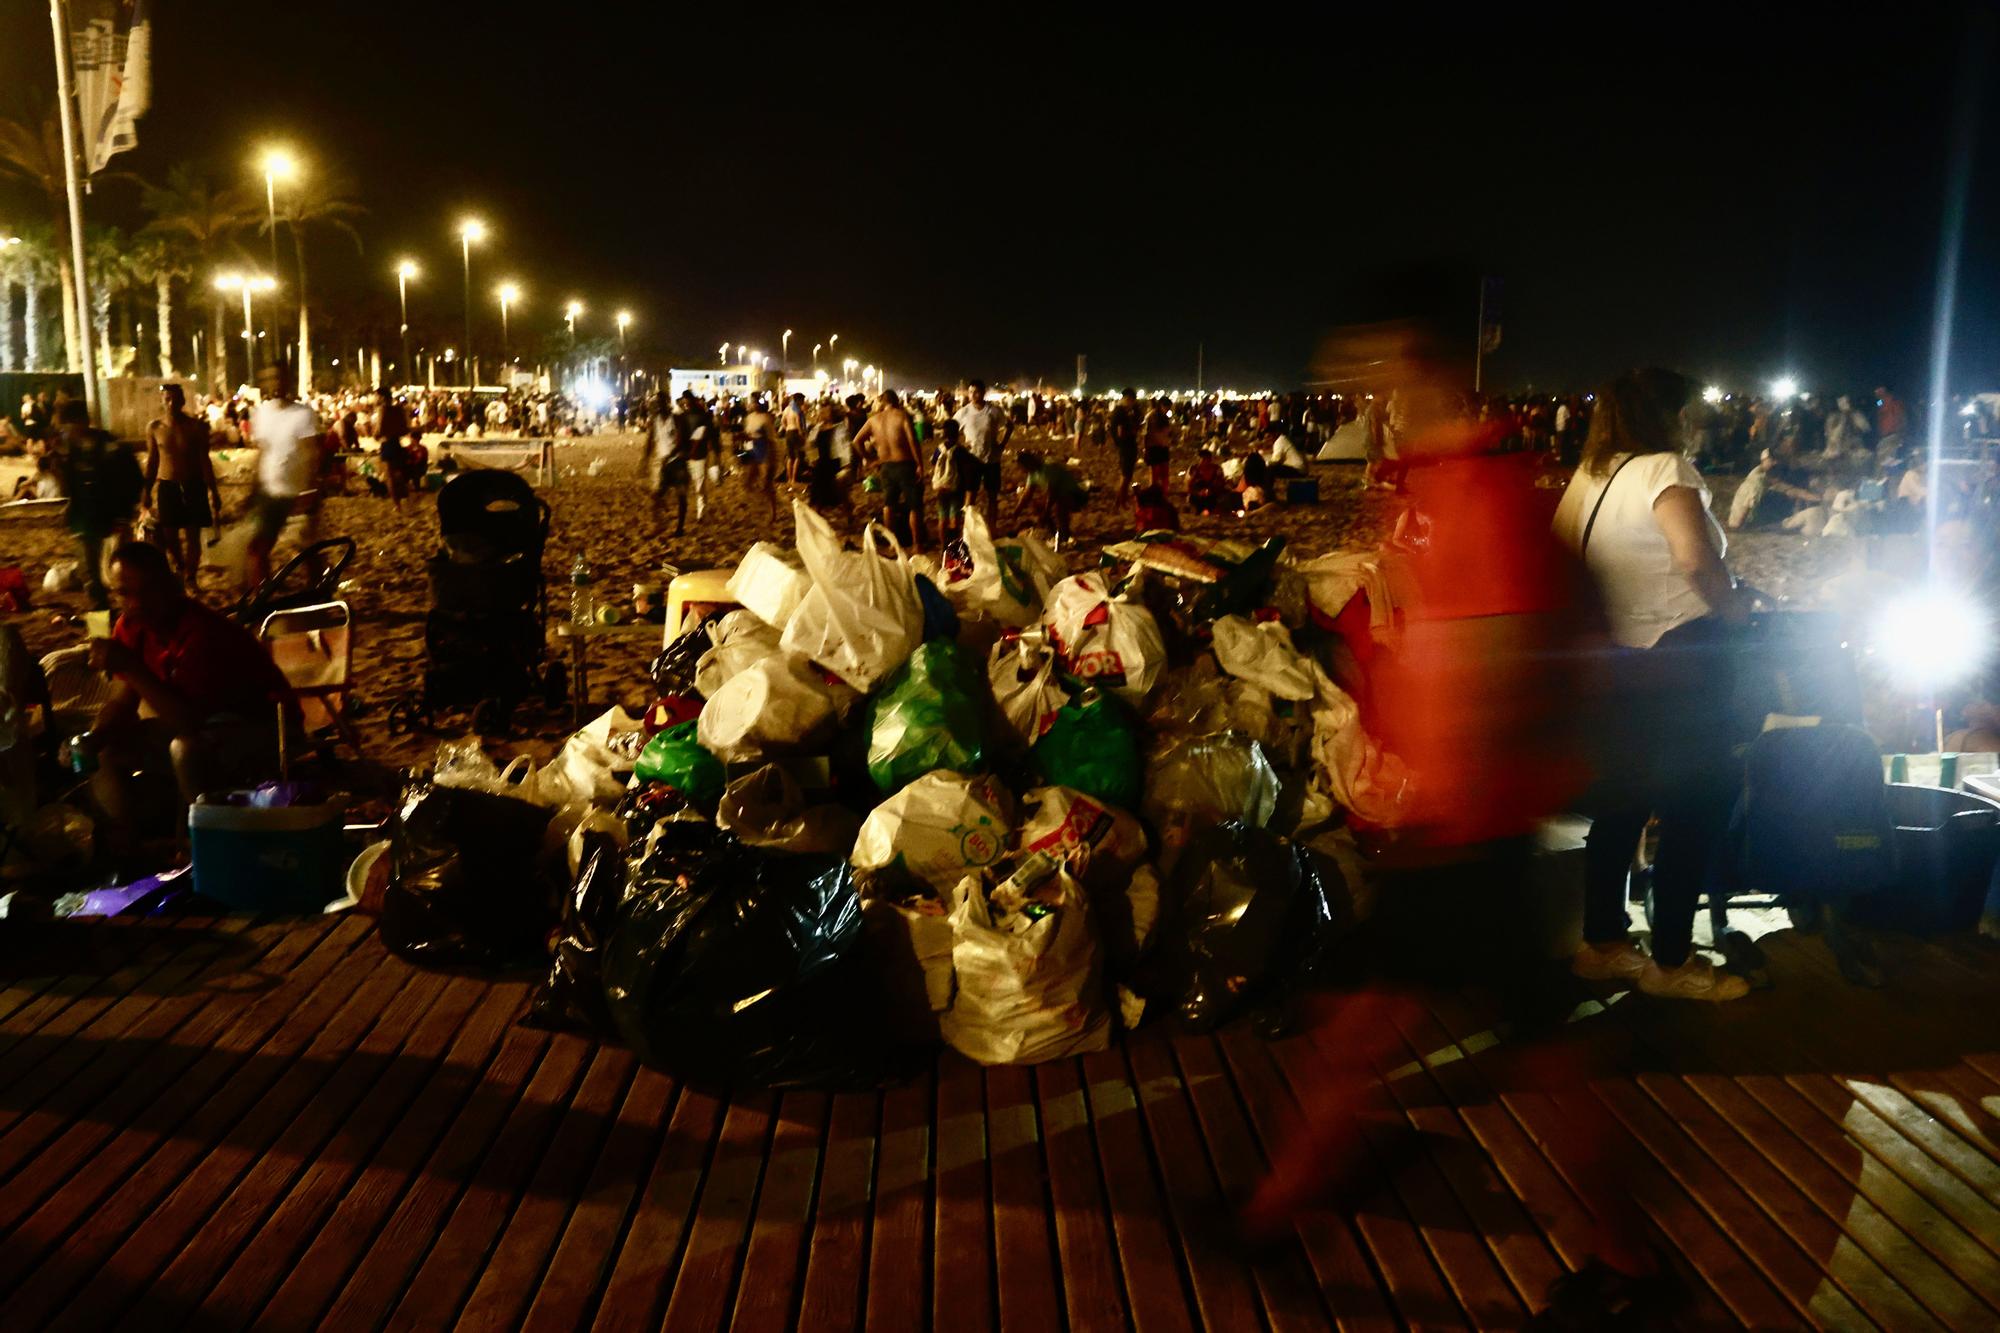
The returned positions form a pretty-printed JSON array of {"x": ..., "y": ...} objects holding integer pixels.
[
  {"x": 407, "y": 269},
  {"x": 624, "y": 318},
  {"x": 471, "y": 230},
  {"x": 1785, "y": 388},
  {"x": 508, "y": 292},
  {"x": 278, "y": 164},
  {"x": 1712, "y": 394},
  {"x": 1933, "y": 636}
]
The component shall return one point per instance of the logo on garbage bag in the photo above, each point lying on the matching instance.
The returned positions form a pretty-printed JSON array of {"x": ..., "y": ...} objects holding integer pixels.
[
  {"x": 1099, "y": 664},
  {"x": 978, "y": 846}
]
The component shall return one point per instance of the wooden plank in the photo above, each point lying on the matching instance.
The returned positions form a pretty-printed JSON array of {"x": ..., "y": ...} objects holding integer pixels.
[
  {"x": 1157, "y": 1295},
  {"x": 898, "y": 1250},
  {"x": 1093, "y": 1291},
  {"x": 1775, "y": 1251},
  {"x": 1843, "y": 1261},
  {"x": 832, "y": 1299},
  {"x": 507, "y": 1284},
  {"x": 1224, "y": 1295},
  {"x": 468, "y": 1018},
  {"x": 1348, "y": 1286},
  {"x": 128, "y": 1147},
  {"x": 487, "y": 1217},
  {"x": 501, "y": 1129},
  {"x": 774, "y": 1262},
  {"x": 1847, "y": 1145},
  {"x": 1716, "y": 1279},
  {"x": 568, "y": 1292},
  {"x": 1024, "y": 1251},
  {"x": 962, "y": 1295},
  {"x": 125, "y": 958},
  {"x": 704, "y": 1287},
  {"x": 1397, "y": 1252},
  {"x": 343, "y": 1239},
  {"x": 178, "y": 1189},
  {"x": 77, "y": 1115},
  {"x": 1912, "y": 1267},
  {"x": 650, "y": 1256},
  {"x": 40, "y": 1063}
]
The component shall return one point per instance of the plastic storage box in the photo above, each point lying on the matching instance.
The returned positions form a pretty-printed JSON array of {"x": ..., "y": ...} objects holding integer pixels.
[
  {"x": 1946, "y": 845},
  {"x": 288, "y": 859},
  {"x": 694, "y": 596}
]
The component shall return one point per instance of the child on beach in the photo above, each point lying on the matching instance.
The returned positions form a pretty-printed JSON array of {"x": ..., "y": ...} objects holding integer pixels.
[{"x": 948, "y": 479}]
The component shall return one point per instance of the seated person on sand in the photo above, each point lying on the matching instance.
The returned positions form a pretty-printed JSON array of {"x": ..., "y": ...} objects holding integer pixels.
[
  {"x": 1051, "y": 491},
  {"x": 1285, "y": 458},
  {"x": 1208, "y": 490},
  {"x": 1776, "y": 489},
  {"x": 211, "y": 689},
  {"x": 42, "y": 484},
  {"x": 1254, "y": 486}
]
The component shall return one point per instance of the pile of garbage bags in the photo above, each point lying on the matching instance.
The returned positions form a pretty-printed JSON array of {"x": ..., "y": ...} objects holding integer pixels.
[{"x": 893, "y": 801}]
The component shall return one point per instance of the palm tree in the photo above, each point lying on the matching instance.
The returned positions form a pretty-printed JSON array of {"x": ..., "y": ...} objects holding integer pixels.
[
  {"x": 188, "y": 207},
  {"x": 318, "y": 201},
  {"x": 13, "y": 273},
  {"x": 34, "y": 262},
  {"x": 161, "y": 257},
  {"x": 111, "y": 273},
  {"x": 33, "y": 153}
]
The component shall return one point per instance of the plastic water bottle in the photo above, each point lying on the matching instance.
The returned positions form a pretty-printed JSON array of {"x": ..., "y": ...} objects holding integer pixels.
[{"x": 581, "y": 610}]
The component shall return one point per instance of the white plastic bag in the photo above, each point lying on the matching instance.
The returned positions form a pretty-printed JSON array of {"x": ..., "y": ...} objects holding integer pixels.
[
  {"x": 935, "y": 830},
  {"x": 1261, "y": 652},
  {"x": 738, "y": 641},
  {"x": 862, "y": 619},
  {"x": 595, "y": 762},
  {"x": 925, "y": 922},
  {"x": 1026, "y": 966},
  {"x": 770, "y": 583},
  {"x": 1355, "y": 769},
  {"x": 1011, "y": 577},
  {"x": 778, "y": 706},
  {"x": 1111, "y": 644},
  {"x": 1101, "y": 842},
  {"x": 1023, "y": 677}
]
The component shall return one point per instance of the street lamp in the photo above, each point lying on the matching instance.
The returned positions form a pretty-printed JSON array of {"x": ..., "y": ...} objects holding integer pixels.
[
  {"x": 570, "y": 312},
  {"x": 848, "y": 367},
  {"x": 785, "y": 352},
  {"x": 624, "y": 318},
  {"x": 277, "y": 165},
  {"x": 246, "y": 284},
  {"x": 406, "y": 270},
  {"x": 742, "y": 352},
  {"x": 816, "y": 347},
  {"x": 722, "y": 354},
  {"x": 833, "y": 342},
  {"x": 509, "y": 293},
  {"x": 471, "y": 231}
]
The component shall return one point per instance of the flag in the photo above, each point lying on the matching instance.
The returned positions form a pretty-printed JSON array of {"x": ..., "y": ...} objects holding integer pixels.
[
  {"x": 1489, "y": 316},
  {"x": 111, "y": 45}
]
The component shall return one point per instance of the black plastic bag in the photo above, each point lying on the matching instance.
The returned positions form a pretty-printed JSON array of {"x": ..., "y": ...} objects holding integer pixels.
[
  {"x": 463, "y": 885},
  {"x": 572, "y": 998},
  {"x": 730, "y": 966},
  {"x": 673, "y": 670},
  {"x": 1245, "y": 914}
]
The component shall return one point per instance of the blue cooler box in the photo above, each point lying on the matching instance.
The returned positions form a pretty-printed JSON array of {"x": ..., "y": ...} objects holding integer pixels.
[{"x": 288, "y": 859}]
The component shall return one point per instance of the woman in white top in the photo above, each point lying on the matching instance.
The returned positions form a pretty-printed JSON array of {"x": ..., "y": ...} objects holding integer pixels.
[{"x": 1637, "y": 515}]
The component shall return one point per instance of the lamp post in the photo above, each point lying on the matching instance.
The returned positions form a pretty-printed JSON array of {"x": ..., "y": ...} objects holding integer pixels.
[
  {"x": 246, "y": 284},
  {"x": 509, "y": 293},
  {"x": 816, "y": 347},
  {"x": 404, "y": 272},
  {"x": 570, "y": 312},
  {"x": 722, "y": 355},
  {"x": 785, "y": 352},
  {"x": 470, "y": 231},
  {"x": 278, "y": 165},
  {"x": 624, "y": 322}
]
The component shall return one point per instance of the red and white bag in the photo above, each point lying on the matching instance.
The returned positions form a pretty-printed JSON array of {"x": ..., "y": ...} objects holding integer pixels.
[{"x": 1104, "y": 641}]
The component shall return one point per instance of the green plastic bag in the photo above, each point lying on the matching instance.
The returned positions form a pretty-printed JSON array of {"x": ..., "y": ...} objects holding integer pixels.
[
  {"x": 676, "y": 758},
  {"x": 1093, "y": 747},
  {"x": 930, "y": 715}
]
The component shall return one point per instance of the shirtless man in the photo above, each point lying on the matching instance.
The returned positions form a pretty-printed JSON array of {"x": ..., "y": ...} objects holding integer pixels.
[
  {"x": 755, "y": 457},
  {"x": 894, "y": 445},
  {"x": 180, "y": 482}
]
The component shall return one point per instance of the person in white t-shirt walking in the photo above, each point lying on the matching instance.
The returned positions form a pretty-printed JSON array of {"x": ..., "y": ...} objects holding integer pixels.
[
  {"x": 287, "y": 436},
  {"x": 983, "y": 432}
]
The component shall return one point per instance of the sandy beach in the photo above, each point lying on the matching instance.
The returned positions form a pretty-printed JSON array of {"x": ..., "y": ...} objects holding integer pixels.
[{"x": 610, "y": 519}]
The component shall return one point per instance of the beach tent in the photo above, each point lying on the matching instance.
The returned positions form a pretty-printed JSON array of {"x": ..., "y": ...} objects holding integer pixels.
[{"x": 1349, "y": 444}]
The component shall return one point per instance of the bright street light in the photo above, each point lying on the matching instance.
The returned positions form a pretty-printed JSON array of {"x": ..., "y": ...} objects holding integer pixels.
[
  {"x": 1712, "y": 394},
  {"x": 1785, "y": 387},
  {"x": 742, "y": 351},
  {"x": 246, "y": 284},
  {"x": 405, "y": 270},
  {"x": 785, "y": 351},
  {"x": 570, "y": 312},
  {"x": 624, "y": 321},
  {"x": 509, "y": 293},
  {"x": 471, "y": 231},
  {"x": 277, "y": 165},
  {"x": 722, "y": 354},
  {"x": 816, "y": 347}
]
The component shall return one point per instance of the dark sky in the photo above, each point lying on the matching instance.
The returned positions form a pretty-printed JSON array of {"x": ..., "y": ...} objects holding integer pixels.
[{"x": 978, "y": 190}]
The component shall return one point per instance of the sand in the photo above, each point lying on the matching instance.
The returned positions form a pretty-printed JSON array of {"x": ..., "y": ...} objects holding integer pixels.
[{"x": 610, "y": 519}]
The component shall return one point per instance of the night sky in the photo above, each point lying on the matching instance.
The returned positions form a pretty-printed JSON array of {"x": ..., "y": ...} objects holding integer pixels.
[{"x": 977, "y": 191}]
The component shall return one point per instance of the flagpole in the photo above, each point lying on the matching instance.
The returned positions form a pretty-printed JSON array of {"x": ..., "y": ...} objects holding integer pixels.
[{"x": 66, "y": 97}]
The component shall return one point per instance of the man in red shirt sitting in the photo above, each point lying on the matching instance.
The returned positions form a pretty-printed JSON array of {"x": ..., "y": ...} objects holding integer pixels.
[{"x": 211, "y": 691}]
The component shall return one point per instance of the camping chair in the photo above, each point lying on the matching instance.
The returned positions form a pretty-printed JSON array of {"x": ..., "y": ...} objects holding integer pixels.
[
  {"x": 76, "y": 689},
  {"x": 314, "y": 647}
]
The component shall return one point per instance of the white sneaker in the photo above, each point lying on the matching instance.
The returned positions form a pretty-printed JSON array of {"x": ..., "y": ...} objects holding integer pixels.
[
  {"x": 1696, "y": 979},
  {"x": 1621, "y": 962}
]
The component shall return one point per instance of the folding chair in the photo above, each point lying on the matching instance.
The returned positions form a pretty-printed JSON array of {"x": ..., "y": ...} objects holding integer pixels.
[
  {"x": 76, "y": 690},
  {"x": 314, "y": 647}
]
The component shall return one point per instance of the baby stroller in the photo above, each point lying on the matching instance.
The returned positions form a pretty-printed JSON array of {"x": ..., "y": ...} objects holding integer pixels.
[{"x": 484, "y": 637}]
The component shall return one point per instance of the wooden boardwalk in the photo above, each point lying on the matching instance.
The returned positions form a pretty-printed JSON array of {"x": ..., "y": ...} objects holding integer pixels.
[{"x": 228, "y": 1124}]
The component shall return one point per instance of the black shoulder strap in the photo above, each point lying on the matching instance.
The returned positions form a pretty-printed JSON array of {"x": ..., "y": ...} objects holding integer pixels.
[{"x": 1584, "y": 545}]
